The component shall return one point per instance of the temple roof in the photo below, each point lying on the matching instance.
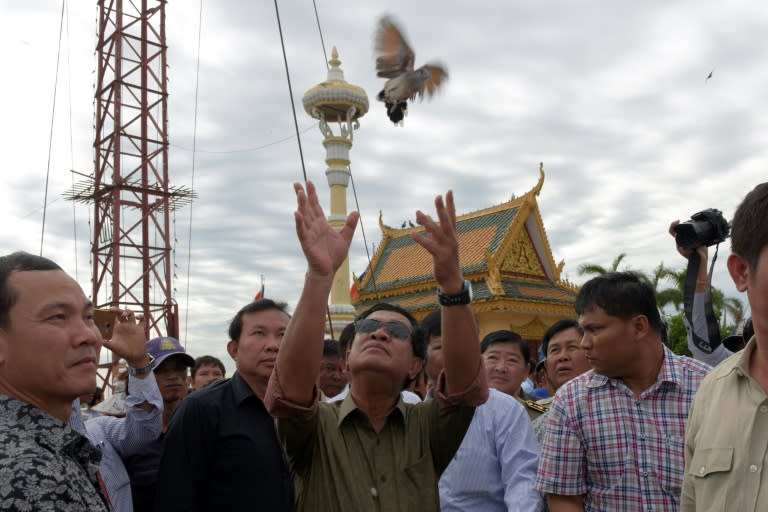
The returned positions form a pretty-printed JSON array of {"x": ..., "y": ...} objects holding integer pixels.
[{"x": 504, "y": 252}]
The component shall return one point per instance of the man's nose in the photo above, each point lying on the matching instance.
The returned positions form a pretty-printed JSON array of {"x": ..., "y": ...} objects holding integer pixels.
[
  {"x": 86, "y": 333},
  {"x": 273, "y": 342}
]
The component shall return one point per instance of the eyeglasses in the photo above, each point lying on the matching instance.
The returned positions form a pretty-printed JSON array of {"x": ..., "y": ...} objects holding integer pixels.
[{"x": 393, "y": 329}]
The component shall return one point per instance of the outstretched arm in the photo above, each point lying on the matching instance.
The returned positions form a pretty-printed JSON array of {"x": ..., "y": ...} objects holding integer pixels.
[
  {"x": 703, "y": 347},
  {"x": 461, "y": 342},
  {"x": 325, "y": 249}
]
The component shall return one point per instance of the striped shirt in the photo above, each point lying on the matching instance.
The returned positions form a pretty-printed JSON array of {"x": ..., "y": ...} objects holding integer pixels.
[
  {"x": 620, "y": 451},
  {"x": 118, "y": 438},
  {"x": 495, "y": 466}
]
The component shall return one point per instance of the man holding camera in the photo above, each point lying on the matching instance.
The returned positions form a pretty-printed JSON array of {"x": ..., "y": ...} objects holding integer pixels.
[
  {"x": 693, "y": 238},
  {"x": 726, "y": 466}
]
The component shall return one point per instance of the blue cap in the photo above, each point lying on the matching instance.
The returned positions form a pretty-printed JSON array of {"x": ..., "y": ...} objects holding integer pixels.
[{"x": 164, "y": 347}]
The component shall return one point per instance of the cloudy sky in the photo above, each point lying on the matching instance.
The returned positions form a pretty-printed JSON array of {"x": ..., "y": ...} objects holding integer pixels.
[{"x": 611, "y": 96}]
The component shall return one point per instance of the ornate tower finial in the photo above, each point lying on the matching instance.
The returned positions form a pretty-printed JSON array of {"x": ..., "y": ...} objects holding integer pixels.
[{"x": 336, "y": 101}]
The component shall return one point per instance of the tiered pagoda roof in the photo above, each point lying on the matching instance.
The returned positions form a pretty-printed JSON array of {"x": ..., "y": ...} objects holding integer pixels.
[{"x": 504, "y": 252}]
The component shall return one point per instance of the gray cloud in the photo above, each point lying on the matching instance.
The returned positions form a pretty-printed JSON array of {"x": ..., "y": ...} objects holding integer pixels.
[{"x": 610, "y": 96}]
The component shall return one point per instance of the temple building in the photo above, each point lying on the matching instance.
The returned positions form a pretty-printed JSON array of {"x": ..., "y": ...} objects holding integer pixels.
[{"x": 504, "y": 253}]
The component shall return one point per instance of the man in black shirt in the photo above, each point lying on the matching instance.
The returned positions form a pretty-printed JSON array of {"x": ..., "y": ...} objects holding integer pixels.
[{"x": 221, "y": 451}]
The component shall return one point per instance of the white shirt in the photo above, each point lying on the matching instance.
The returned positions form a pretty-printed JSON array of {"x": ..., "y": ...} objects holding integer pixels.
[{"x": 408, "y": 396}]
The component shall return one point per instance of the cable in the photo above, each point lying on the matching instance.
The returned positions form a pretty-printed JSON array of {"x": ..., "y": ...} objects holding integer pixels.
[
  {"x": 192, "y": 184},
  {"x": 71, "y": 147},
  {"x": 322, "y": 41},
  {"x": 290, "y": 92},
  {"x": 362, "y": 231},
  {"x": 244, "y": 150},
  {"x": 50, "y": 137},
  {"x": 351, "y": 177}
]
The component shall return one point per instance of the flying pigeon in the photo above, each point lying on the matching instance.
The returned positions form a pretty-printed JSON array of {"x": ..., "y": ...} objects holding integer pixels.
[
  {"x": 709, "y": 75},
  {"x": 395, "y": 61}
]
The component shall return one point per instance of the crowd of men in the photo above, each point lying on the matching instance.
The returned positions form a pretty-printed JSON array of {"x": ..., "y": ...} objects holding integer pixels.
[{"x": 395, "y": 415}]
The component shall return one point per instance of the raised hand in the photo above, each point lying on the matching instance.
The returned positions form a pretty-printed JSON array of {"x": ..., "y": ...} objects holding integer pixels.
[
  {"x": 129, "y": 337},
  {"x": 685, "y": 253},
  {"x": 323, "y": 246},
  {"x": 442, "y": 243}
]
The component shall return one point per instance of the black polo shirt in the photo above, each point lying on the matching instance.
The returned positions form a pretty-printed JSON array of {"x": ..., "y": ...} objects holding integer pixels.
[{"x": 221, "y": 453}]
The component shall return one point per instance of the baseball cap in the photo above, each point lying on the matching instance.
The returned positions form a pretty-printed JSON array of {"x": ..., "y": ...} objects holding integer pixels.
[{"x": 164, "y": 347}]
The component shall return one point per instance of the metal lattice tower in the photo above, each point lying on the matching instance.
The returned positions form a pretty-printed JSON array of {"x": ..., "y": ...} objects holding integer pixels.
[{"x": 133, "y": 201}]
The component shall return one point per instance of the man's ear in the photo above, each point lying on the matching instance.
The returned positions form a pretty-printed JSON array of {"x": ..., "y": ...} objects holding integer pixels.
[
  {"x": 416, "y": 365},
  {"x": 640, "y": 325},
  {"x": 739, "y": 270},
  {"x": 232, "y": 349}
]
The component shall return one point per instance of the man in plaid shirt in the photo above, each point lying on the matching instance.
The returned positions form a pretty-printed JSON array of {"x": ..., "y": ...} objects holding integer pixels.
[{"x": 614, "y": 439}]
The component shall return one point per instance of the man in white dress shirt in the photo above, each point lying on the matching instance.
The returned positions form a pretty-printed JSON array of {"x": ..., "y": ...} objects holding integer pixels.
[{"x": 495, "y": 466}]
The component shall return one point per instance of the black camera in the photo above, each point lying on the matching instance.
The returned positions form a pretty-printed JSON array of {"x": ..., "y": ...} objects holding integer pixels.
[{"x": 706, "y": 228}]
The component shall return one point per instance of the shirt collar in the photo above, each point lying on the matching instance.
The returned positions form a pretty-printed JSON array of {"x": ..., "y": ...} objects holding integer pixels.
[
  {"x": 669, "y": 372},
  {"x": 241, "y": 391},
  {"x": 46, "y": 430},
  {"x": 348, "y": 406},
  {"x": 740, "y": 365}
]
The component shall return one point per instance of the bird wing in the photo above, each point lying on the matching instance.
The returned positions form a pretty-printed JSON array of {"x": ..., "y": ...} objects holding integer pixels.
[
  {"x": 437, "y": 74},
  {"x": 394, "y": 54}
]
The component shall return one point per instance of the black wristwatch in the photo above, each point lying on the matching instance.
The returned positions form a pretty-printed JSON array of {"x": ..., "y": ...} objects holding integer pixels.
[{"x": 463, "y": 297}]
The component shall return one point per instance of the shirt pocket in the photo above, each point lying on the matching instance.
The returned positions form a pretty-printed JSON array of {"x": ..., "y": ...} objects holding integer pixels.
[
  {"x": 709, "y": 471},
  {"x": 671, "y": 464}
]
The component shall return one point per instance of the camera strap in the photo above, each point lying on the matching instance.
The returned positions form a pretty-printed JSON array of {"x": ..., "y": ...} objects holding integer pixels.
[{"x": 713, "y": 330}]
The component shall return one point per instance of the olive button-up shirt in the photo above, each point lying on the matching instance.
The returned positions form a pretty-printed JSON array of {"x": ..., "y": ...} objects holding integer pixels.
[{"x": 341, "y": 463}]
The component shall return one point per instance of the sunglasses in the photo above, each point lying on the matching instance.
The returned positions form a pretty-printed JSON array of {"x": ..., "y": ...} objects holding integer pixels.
[{"x": 393, "y": 329}]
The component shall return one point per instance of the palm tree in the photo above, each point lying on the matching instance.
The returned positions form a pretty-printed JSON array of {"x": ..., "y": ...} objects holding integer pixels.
[
  {"x": 667, "y": 295},
  {"x": 593, "y": 269},
  {"x": 735, "y": 307}
]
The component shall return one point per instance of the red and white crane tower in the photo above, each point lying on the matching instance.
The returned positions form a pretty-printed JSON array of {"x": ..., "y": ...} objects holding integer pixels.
[{"x": 130, "y": 189}]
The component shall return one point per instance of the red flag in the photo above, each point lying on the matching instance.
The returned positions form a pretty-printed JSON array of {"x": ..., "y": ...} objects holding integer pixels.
[{"x": 260, "y": 294}]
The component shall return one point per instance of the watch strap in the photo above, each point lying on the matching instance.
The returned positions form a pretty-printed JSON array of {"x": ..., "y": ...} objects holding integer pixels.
[
  {"x": 461, "y": 298},
  {"x": 136, "y": 372}
]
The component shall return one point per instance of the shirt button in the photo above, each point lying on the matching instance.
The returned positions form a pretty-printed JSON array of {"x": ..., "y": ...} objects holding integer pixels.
[
  {"x": 383, "y": 478},
  {"x": 645, "y": 474},
  {"x": 764, "y": 408},
  {"x": 374, "y": 492},
  {"x": 702, "y": 470},
  {"x": 752, "y": 468}
]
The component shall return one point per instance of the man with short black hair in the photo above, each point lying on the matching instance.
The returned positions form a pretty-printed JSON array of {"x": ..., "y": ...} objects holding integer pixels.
[
  {"x": 48, "y": 358},
  {"x": 331, "y": 379},
  {"x": 372, "y": 451},
  {"x": 345, "y": 340},
  {"x": 494, "y": 469},
  {"x": 221, "y": 451},
  {"x": 726, "y": 463},
  {"x": 171, "y": 366},
  {"x": 614, "y": 438},
  {"x": 507, "y": 358},
  {"x": 564, "y": 360},
  {"x": 207, "y": 369}
]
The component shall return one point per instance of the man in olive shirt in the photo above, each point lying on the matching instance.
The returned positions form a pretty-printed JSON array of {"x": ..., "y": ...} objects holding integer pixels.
[
  {"x": 726, "y": 466},
  {"x": 371, "y": 451}
]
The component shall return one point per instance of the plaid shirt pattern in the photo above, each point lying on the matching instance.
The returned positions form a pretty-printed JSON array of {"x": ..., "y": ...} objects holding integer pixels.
[{"x": 622, "y": 452}]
